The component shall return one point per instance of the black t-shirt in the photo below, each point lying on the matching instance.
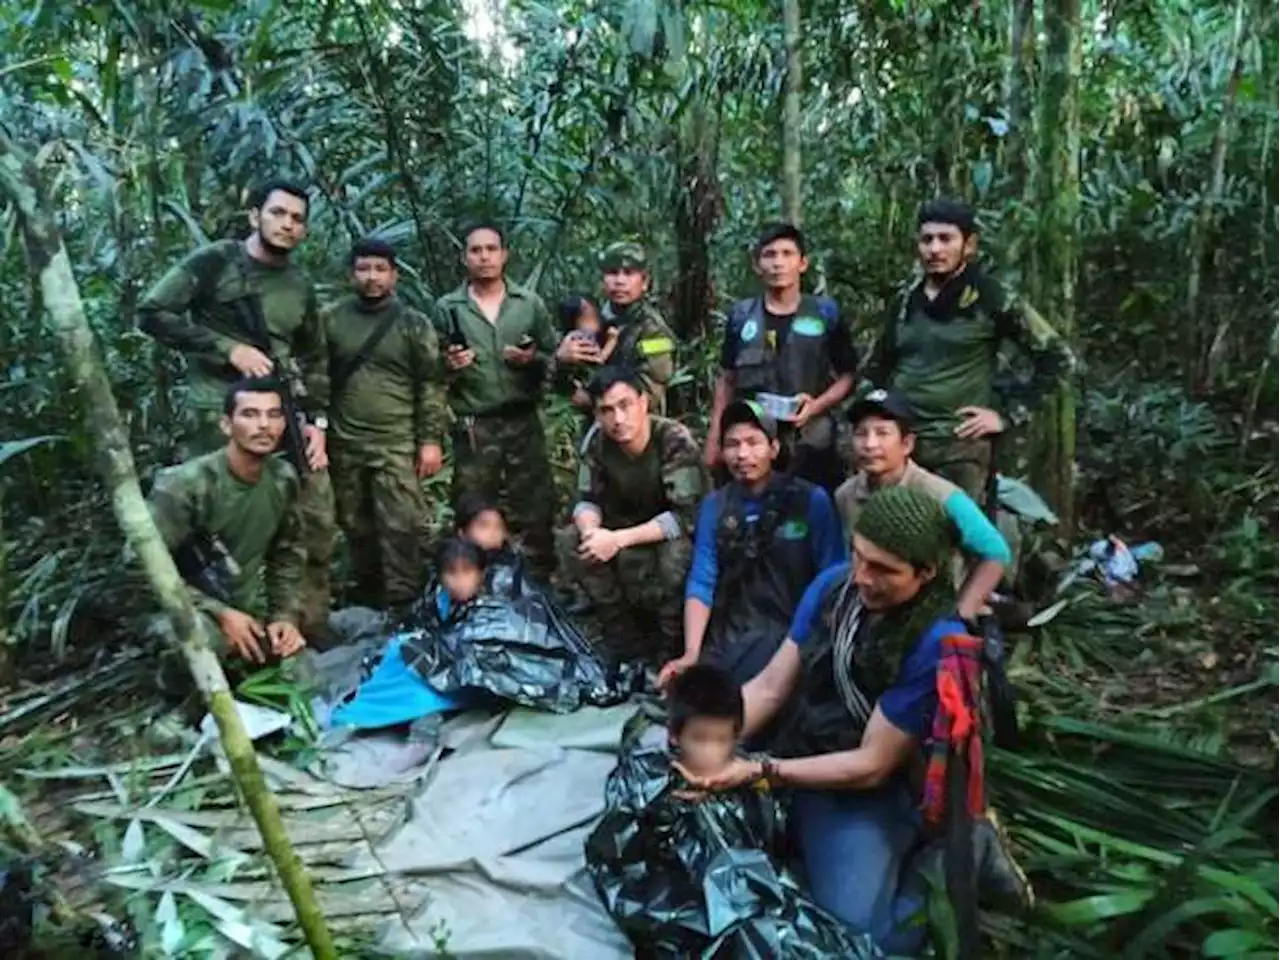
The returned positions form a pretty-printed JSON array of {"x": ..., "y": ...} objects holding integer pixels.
[{"x": 844, "y": 357}]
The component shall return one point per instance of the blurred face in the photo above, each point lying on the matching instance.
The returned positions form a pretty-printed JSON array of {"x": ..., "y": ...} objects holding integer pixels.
[
  {"x": 625, "y": 285},
  {"x": 256, "y": 424},
  {"x": 485, "y": 256},
  {"x": 780, "y": 264},
  {"x": 880, "y": 447},
  {"x": 748, "y": 453},
  {"x": 944, "y": 249},
  {"x": 487, "y": 530},
  {"x": 884, "y": 580},
  {"x": 281, "y": 221},
  {"x": 588, "y": 321},
  {"x": 706, "y": 744},
  {"x": 621, "y": 412},
  {"x": 462, "y": 582},
  {"x": 374, "y": 277}
]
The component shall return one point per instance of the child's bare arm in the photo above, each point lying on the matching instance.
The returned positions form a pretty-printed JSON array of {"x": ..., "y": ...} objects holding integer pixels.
[{"x": 610, "y": 344}]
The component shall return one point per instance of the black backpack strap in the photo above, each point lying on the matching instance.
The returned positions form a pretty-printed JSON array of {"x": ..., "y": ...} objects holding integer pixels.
[{"x": 343, "y": 372}]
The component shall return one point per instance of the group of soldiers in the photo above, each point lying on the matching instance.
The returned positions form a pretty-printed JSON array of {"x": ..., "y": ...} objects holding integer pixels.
[{"x": 305, "y": 418}]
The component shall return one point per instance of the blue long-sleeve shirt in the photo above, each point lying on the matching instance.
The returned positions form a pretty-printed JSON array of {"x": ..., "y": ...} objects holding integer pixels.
[{"x": 826, "y": 540}]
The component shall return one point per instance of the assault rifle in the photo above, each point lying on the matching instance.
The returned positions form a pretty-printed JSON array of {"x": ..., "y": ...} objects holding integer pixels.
[
  {"x": 1001, "y": 697},
  {"x": 205, "y": 563}
]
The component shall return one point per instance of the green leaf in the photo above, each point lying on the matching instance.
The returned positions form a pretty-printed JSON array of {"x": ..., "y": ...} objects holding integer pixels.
[
  {"x": 1091, "y": 910},
  {"x": 1234, "y": 943}
]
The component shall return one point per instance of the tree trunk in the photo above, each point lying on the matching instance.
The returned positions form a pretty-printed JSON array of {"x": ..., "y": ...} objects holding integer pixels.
[
  {"x": 697, "y": 207},
  {"x": 791, "y": 176},
  {"x": 1058, "y": 247},
  {"x": 1209, "y": 356},
  {"x": 1017, "y": 94},
  {"x": 48, "y": 261}
]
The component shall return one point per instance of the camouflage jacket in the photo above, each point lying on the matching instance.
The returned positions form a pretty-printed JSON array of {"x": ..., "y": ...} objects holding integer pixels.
[
  {"x": 394, "y": 401},
  {"x": 945, "y": 354},
  {"x": 258, "y": 524},
  {"x": 667, "y": 477},
  {"x": 190, "y": 310},
  {"x": 645, "y": 344}
]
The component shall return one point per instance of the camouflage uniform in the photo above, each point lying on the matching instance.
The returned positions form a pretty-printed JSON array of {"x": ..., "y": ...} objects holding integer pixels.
[
  {"x": 645, "y": 341},
  {"x": 499, "y": 447},
  {"x": 189, "y": 310},
  {"x": 944, "y": 354},
  {"x": 642, "y": 588},
  {"x": 258, "y": 524},
  {"x": 383, "y": 411}
]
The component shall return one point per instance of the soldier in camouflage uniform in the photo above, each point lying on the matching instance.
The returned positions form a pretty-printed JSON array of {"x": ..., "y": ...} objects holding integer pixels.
[
  {"x": 629, "y": 545},
  {"x": 499, "y": 340},
  {"x": 232, "y": 520},
  {"x": 940, "y": 348},
  {"x": 199, "y": 308},
  {"x": 389, "y": 417},
  {"x": 645, "y": 342}
]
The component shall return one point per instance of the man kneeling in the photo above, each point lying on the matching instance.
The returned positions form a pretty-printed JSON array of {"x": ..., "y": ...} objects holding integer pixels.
[
  {"x": 230, "y": 519},
  {"x": 638, "y": 490}
]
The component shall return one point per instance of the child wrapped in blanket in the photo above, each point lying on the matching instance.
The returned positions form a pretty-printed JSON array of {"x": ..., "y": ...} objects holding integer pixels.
[{"x": 690, "y": 875}]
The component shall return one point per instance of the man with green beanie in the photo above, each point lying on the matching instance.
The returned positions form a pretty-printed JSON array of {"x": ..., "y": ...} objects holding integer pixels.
[
  {"x": 645, "y": 341},
  {"x": 941, "y": 348},
  {"x": 872, "y": 644}
]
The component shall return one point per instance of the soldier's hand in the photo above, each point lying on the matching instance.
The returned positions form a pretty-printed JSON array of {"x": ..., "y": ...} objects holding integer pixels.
[
  {"x": 673, "y": 668},
  {"x": 459, "y": 358},
  {"x": 808, "y": 408},
  {"x": 250, "y": 361},
  {"x": 978, "y": 422},
  {"x": 430, "y": 460},
  {"x": 518, "y": 357},
  {"x": 286, "y": 639},
  {"x": 599, "y": 545},
  {"x": 317, "y": 452},
  {"x": 577, "y": 349},
  {"x": 244, "y": 634}
]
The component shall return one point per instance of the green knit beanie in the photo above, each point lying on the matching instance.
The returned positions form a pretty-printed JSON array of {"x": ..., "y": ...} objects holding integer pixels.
[{"x": 909, "y": 524}]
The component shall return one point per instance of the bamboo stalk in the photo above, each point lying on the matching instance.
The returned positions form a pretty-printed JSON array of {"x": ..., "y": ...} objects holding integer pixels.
[{"x": 49, "y": 264}]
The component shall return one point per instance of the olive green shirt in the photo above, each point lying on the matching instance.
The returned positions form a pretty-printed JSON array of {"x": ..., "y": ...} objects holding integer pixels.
[
  {"x": 258, "y": 523},
  {"x": 190, "y": 310},
  {"x": 943, "y": 363},
  {"x": 490, "y": 383},
  {"x": 394, "y": 400},
  {"x": 667, "y": 477}
]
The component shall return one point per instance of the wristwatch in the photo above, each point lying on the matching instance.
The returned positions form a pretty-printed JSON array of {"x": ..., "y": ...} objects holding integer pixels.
[{"x": 320, "y": 421}]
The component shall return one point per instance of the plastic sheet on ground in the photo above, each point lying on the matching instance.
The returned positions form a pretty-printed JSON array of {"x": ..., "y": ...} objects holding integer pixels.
[
  {"x": 703, "y": 878},
  {"x": 492, "y": 840},
  {"x": 518, "y": 646}
]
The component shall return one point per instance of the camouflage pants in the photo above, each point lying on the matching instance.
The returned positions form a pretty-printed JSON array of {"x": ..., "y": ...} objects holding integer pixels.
[
  {"x": 966, "y": 463},
  {"x": 315, "y": 505},
  {"x": 382, "y": 512},
  {"x": 504, "y": 457},
  {"x": 638, "y": 596}
]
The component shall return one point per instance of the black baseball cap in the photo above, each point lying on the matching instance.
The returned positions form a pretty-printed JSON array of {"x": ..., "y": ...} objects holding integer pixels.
[
  {"x": 748, "y": 411},
  {"x": 883, "y": 403}
]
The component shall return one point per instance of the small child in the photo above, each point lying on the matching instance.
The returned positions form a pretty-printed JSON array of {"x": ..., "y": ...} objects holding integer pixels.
[
  {"x": 478, "y": 519},
  {"x": 580, "y": 317},
  {"x": 460, "y": 570},
  {"x": 704, "y": 718}
]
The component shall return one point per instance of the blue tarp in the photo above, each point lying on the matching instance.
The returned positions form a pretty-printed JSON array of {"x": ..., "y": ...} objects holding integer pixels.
[{"x": 394, "y": 694}]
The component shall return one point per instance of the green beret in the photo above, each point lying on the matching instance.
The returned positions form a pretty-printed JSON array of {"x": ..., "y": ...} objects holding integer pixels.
[
  {"x": 909, "y": 524},
  {"x": 625, "y": 253}
]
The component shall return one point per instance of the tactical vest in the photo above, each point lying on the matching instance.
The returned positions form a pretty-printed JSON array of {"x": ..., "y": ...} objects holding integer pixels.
[
  {"x": 765, "y": 567},
  {"x": 803, "y": 365}
]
